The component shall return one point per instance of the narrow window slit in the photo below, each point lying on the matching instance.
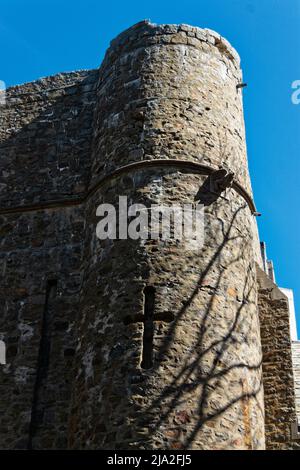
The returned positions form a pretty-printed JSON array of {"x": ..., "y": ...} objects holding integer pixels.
[
  {"x": 43, "y": 360},
  {"x": 149, "y": 301}
]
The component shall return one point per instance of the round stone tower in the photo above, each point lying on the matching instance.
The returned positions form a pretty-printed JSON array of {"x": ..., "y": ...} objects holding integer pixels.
[{"x": 168, "y": 352}]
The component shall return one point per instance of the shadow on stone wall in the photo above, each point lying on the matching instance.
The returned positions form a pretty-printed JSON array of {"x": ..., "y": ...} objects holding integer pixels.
[
  {"x": 195, "y": 377},
  {"x": 47, "y": 149}
]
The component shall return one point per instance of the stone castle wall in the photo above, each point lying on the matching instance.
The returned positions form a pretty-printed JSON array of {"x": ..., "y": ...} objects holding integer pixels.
[
  {"x": 46, "y": 130},
  {"x": 296, "y": 368},
  {"x": 278, "y": 378}
]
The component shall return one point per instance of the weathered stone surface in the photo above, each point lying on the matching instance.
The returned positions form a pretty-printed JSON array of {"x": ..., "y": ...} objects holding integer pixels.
[
  {"x": 45, "y": 139},
  {"x": 296, "y": 369},
  {"x": 172, "y": 100},
  {"x": 279, "y": 396}
]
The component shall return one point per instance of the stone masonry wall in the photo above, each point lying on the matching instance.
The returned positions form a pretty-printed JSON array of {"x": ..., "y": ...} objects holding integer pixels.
[
  {"x": 169, "y": 92},
  {"x": 204, "y": 390},
  {"x": 46, "y": 129},
  {"x": 35, "y": 385},
  {"x": 45, "y": 140},
  {"x": 73, "y": 307},
  {"x": 296, "y": 369}
]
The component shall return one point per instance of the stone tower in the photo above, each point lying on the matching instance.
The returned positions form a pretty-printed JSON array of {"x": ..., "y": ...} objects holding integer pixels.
[
  {"x": 168, "y": 102},
  {"x": 122, "y": 343}
]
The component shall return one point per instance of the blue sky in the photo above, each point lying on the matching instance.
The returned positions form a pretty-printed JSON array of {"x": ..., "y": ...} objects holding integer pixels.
[{"x": 40, "y": 38}]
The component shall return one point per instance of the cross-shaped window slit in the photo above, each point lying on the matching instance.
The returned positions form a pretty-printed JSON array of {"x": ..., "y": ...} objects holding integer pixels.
[{"x": 148, "y": 318}]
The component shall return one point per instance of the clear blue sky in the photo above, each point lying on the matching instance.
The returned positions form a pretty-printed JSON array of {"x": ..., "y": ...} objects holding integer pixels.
[{"x": 43, "y": 37}]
